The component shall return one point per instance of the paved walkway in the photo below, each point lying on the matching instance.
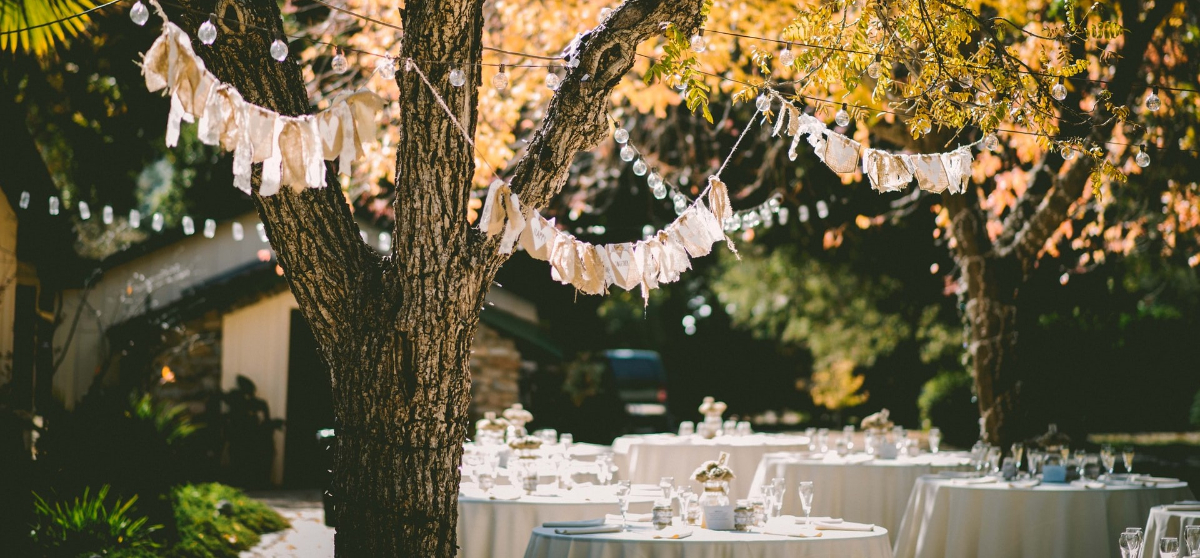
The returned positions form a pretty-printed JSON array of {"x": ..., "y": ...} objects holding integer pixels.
[{"x": 308, "y": 537}]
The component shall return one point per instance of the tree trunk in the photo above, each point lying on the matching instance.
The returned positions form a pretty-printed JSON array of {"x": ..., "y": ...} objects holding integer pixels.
[{"x": 396, "y": 331}]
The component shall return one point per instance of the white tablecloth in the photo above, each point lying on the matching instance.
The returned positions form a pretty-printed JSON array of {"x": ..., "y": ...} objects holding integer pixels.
[
  {"x": 1169, "y": 521},
  {"x": 500, "y": 528},
  {"x": 947, "y": 518},
  {"x": 708, "y": 544},
  {"x": 857, "y": 488},
  {"x": 648, "y": 458}
]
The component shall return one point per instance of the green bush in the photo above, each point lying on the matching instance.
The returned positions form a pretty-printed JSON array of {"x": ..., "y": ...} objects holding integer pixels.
[
  {"x": 219, "y": 521},
  {"x": 86, "y": 525},
  {"x": 1195, "y": 418},
  {"x": 946, "y": 401}
]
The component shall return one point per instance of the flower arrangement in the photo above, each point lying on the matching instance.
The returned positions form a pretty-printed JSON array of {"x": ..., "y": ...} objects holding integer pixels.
[
  {"x": 711, "y": 407},
  {"x": 525, "y": 443},
  {"x": 517, "y": 415},
  {"x": 714, "y": 470},
  {"x": 491, "y": 422},
  {"x": 877, "y": 421}
]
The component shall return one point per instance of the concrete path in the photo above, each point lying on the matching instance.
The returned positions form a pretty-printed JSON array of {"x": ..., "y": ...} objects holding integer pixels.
[{"x": 308, "y": 537}]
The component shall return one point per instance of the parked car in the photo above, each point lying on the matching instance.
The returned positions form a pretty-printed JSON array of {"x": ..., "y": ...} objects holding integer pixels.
[{"x": 641, "y": 384}]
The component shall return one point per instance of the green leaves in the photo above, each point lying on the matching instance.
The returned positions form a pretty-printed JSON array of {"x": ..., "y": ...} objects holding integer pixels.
[{"x": 678, "y": 67}]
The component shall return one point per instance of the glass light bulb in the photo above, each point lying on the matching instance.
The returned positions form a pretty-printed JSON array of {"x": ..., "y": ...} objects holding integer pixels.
[
  {"x": 386, "y": 67},
  {"x": 842, "y": 118},
  {"x": 340, "y": 64},
  {"x": 766, "y": 216},
  {"x": 139, "y": 14},
  {"x": 553, "y": 81},
  {"x": 750, "y": 220},
  {"x": 1153, "y": 103},
  {"x": 279, "y": 50},
  {"x": 54, "y": 205},
  {"x": 24, "y": 203},
  {"x": 500, "y": 80},
  {"x": 873, "y": 70},
  {"x": 627, "y": 153},
  {"x": 604, "y": 13},
  {"x": 654, "y": 180},
  {"x": 991, "y": 142},
  {"x": 621, "y": 135},
  {"x": 156, "y": 222},
  {"x": 135, "y": 218},
  {"x": 678, "y": 198},
  {"x": 698, "y": 43},
  {"x": 262, "y": 231},
  {"x": 1067, "y": 153},
  {"x": 782, "y": 215},
  {"x": 85, "y": 212},
  {"x": 210, "y": 228},
  {"x": 238, "y": 232},
  {"x": 822, "y": 209},
  {"x": 803, "y": 213},
  {"x": 981, "y": 98},
  {"x": 731, "y": 224},
  {"x": 385, "y": 241},
  {"x": 763, "y": 103},
  {"x": 786, "y": 57},
  {"x": 1142, "y": 159},
  {"x": 680, "y": 207},
  {"x": 774, "y": 203},
  {"x": 1059, "y": 92},
  {"x": 106, "y": 215},
  {"x": 639, "y": 167},
  {"x": 926, "y": 127},
  {"x": 659, "y": 191},
  {"x": 457, "y": 79},
  {"x": 189, "y": 226},
  {"x": 207, "y": 32}
]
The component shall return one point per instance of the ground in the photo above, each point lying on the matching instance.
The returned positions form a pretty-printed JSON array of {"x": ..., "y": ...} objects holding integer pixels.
[{"x": 309, "y": 537}]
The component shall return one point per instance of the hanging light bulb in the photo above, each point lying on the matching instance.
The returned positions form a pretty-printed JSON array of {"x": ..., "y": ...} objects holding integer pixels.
[
  {"x": 766, "y": 216},
  {"x": 1153, "y": 103},
  {"x": 208, "y": 31},
  {"x": 659, "y": 191},
  {"x": 698, "y": 43},
  {"x": 786, "y": 57},
  {"x": 803, "y": 213},
  {"x": 385, "y": 241},
  {"x": 874, "y": 69},
  {"x": 763, "y": 103},
  {"x": 982, "y": 98},
  {"x": 262, "y": 232},
  {"x": 775, "y": 203},
  {"x": 457, "y": 79},
  {"x": 210, "y": 228},
  {"x": 750, "y": 220},
  {"x": 106, "y": 215},
  {"x": 238, "y": 232},
  {"x": 680, "y": 206},
  {"x": 54, "y": 205},
  {"x": 279, "y": 49},
  {"x": 967, "y": 81},
  {"x": 1142, "y": 158},
  {"x": 135, "y": 218},
  {"x": 782, "y": 214},
  {"x": 926, "y": 126},
  {"x": 621, "y": 135},
  {"x": 991, "y": 142},
  {"x": 138, "y": 13},
  {"x": 553, "y": 81},
  {"x": 189, "y": 226},
  {"x": 340, "y": 64},
  {"x": 500, "y": 80},
  {"x": 842, "y": 117},
  {"x": 85, "y": 212},
  {"x": 386, "y": 67},
  {"x": 731, "y": 224},
  {"x": 822, "y": 209},
  {"x": 156, "y": 222},
  {"x": 627, "y": 153},
  {"x": 1059, "y": 91},
  {"x": 654, "y": 180},
  {"x": 639, "y": 167},
  {"x": 1067, "y": 152},
  {"x": 24, "y": 203}
]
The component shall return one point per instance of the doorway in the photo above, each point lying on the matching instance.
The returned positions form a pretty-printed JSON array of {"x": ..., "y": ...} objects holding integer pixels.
[{"x": 309, "y": 410}]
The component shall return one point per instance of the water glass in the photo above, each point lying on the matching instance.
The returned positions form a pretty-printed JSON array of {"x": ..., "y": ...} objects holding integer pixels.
[
  {"x": 780, "y": 486},
  {"x": 548, "y": 436},
  {"x": 1191, "y": 536},
  {"x": 1081, "y": 461},
  {"x": 1108, "y": 457},
  {"x": 472, "y": 463},
  {"x": 1018, "y": 452},
  {"x": 1168, "y": 547},
  {"x": 993, "y": 459},
  {"x": 566, "y": 439},
  {"x": 1131, "y": 541},
  {"x": 604, "y": 468},
  {"x": 806, "y": 500},
  {"x": 770, "y": 495},
  {"x": 743, "y": 428},
  {"x": 687, "y": 428},
  {"x": 623, "y": 489},
  {"x": 1127, "y": 457},
  {"x": 729, "y": 427},
  {"x": 935, "y": 439},
  {"x": 667, "y": 484}
]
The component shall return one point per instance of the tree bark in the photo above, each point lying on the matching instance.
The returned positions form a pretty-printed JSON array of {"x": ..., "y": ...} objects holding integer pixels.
[{"x": 396, "y": 331}]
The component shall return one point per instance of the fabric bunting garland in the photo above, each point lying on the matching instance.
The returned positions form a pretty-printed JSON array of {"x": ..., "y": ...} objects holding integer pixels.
[
  {"x": 292, "y": 149},
  {"x": 888, "y": 172}
]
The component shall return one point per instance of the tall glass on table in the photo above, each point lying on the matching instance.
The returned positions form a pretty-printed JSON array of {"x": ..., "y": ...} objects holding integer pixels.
[
  {"x": 1108, "y": 457},
  {"x": 935, "y": 439},
  {"x": 1168, "y": 547},
  {"x": 1191, "y": 537},
  {"x": 1130, "y": 542},
  {"x": 624, "y": 488},
  {"x": 806, "y": 500}
]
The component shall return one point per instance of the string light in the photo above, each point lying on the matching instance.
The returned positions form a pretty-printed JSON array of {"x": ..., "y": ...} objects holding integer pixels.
[
  {"x": 262, "y": 232},
  {"x": 210, "y": 228},
  {"x": 873, "y": 69},
  {"x": 457, "y": 79},
  {"x": 386, "y": 68},
  {"x": 106, "y": 215},
  {"x": 54, "y": 205},
  {"x": 656, "y": 185},
  {"x": 1142, "y": 158},
  {"x": 822, "y": 209},
  {"x": 842, "y": 118},
  {"x": 385, "y": 241},
  {"x": 802, "y": 212},
  {"x": 189, "y": 226},
  {"x": 621, "y": 135},
  {"x": 698, "y": 43},
  {"x": 1067, "y": 153},
  {"x": 1059, "y": 91},
  {"x": 24, "y": 202},
  {"x": 639, "y": 167},
  {"x": 156, "y": 222},
  {"x": 208, "y": 30},
  {"x": 135, "y": 218},
  {"x": 500, "y": 80},
  {"x": 628, "y": 153},
  {"x": 786, "y": 57},
  {"x": 85, "y": 211},
  {"x": 279, "y": 50},
  {"x": 1153, "y": 103},
  {"x": 339, "y": 63},
  {"x": 553, "y": 81},
  {"x": 991, "y": 142},
  {"x": 763, "y": 103},
  {"x": 139, "y": 14},
  {"x": 238, "y": 232}
]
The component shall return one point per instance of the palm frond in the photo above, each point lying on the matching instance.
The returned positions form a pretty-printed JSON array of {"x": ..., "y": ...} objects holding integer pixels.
[{"x": 37, "y": 26}]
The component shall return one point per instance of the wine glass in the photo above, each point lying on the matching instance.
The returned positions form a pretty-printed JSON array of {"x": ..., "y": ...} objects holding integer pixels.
[
  {"x": 770, "y": 494},
  {"x": 993, "y": 459},
  {"x": 1135, "y": 541},
  {"x": 687, "y": 428},
  {"x": 806, "y": 500},
  {"x": 1191, "y": 536},
  {"x": 623, "y": 489},
  {"x": 1081, "y": 461},
  {"x": 1127, "y": 457},
  {"x": 935, "y": 439},
  {"x": 1129, "y": 544},
  {"x": 1168, "y": 547},
  {"x": 666, "y": 484},
  {"x": 604, "y": 472},
  {"x": 1018, "y": 451},
  {"x": 1108, "y": 456}
]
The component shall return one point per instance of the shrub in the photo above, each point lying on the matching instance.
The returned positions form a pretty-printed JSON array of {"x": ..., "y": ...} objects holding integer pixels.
[
  {"x": 946, "y": 401},
  {"x": 219, "y": 521},
  {"x": 1195, "y": 418},
  {"x": 86, "y": 525}
]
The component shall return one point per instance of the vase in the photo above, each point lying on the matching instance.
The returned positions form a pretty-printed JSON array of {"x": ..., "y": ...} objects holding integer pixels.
[{"x": 716, "y": 493}]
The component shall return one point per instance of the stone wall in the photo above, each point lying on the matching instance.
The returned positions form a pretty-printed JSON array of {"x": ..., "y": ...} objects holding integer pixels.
[{"x": 495, "y": 370}]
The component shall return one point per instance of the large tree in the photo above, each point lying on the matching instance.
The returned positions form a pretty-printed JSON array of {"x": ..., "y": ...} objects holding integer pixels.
[{"x": 396, "y": 330}]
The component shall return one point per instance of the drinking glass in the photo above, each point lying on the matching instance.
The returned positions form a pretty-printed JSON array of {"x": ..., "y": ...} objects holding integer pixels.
[
  {"x": 935, "y": 439},
  {"x": 688, "y": 513},
  {"x": 548, "y": 436},
  {"x": 1129, "y": 543},
  {"x": 1168, "y": 547},
  {"x": 1108, "y": 456},
  {"x": 1134, "y": 541},
  {"x": 623, "y": 489},
  {"x": 729, "y": 427},
  {"x": 1018, "y": 451},
  {"x": 1127, "y": 457},
  {"x": 806, "y": 500},
  {"x": 687, "y": 428},
  {"x": 604, "y": 472},
  {"x": 566, "y": 439},
  {"x": 1191, "y": 536},
  {"x": 770, "y": 495},
  {"x": 473, "y": 462},
  {"x": 743, "y": 428},
  {"x": 666, "y": 484},
  {"x": 993, "y": 459},
  {"x": 780, "y": 486},
  {"x": 1081, "y": 461}
]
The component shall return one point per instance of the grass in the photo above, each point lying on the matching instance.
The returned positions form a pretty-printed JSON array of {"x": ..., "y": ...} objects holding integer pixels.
[{"x": 219, "y": 521}]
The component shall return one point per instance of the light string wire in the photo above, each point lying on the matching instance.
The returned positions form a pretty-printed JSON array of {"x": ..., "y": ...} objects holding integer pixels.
[{"x": 61, "y": 19}]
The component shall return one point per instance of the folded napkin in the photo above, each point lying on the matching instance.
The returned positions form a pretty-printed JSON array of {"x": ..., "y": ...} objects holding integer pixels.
[
  {"x": 673, "y": 533},
  {"x": 505, "y": 493},
  {"x": 844, "y": 526},
  {"x": 818, "y": 519},
  {"x": 631, "y": 517},
  {"x": 589, "y": 530},
  {"x": 785, "y": 530},
  {"x": 577, "y": 523},
  {"x": 1152, "y": 480},
  {"x": 980, "y": 480},
  {"x": 1024, "y": 483},
  {"x": 1182, "y": 507},
  {"x": 1094, "y": 485}
]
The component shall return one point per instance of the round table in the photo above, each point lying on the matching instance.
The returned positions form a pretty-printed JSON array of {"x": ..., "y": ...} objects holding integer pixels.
[
  {"x": 500, "y": 527},
  {"x": 948, "y": 517},
  {"x": 703, "y": 543},
  {"x": 857, "y": 487},
  {"x": 1169, "y": 521},
  {"x": 648, "y": 458}
]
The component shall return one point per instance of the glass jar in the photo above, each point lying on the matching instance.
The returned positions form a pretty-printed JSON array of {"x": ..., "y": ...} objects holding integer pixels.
[
  {"x": 716, "y": 493},
  {"x": 743, "y": 516},
  {"x": 660, "y": 515},
  {"x": 760, "y": 511}
]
